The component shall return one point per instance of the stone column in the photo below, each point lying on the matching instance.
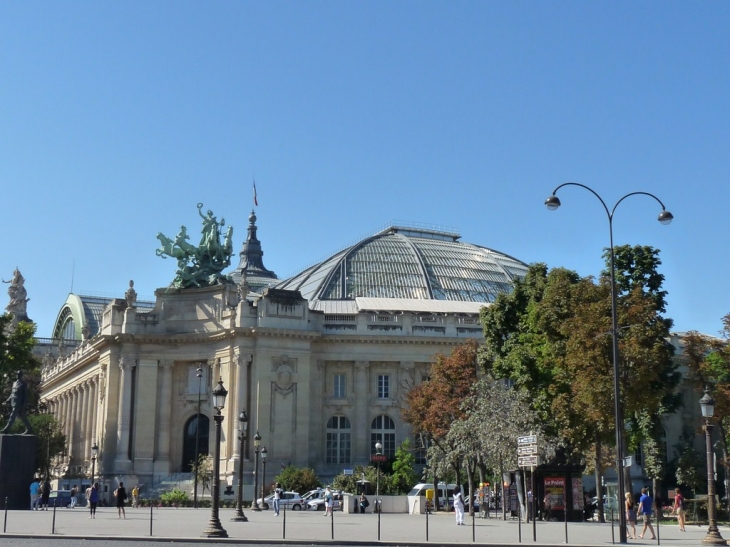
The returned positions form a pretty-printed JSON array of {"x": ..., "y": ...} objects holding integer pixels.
[
  {"x": 124, "y": 420},
  {"x": 162, "y": 461},
  {"x": 361, "y": 427},
  {"x": 90, "y": 413},
  {"x": 72, "y": 431},
  {"x": 83, "y": 433}
]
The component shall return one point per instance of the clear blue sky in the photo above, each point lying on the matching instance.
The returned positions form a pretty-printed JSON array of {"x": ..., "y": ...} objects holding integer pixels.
[{"x": 116, "y": 118}]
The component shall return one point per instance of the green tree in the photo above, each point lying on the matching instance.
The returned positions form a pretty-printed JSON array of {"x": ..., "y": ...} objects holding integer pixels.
[
  {"x": 51, "y": 440},
  {"x": 403, "y": 477},
  {"x": 204, "y": 467},
  {"x": 16, "y": 353},
  {"x": 298, "y": 479}
]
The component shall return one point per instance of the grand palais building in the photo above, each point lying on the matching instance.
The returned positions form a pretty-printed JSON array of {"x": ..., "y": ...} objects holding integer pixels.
[{"x": 319, "y": 361}]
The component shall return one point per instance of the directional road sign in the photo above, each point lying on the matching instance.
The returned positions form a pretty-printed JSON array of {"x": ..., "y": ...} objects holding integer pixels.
[
  {"x": 528, "y": 461},
  {"x": 527, "y": 450},
  {"x": 527, "y": 439}
]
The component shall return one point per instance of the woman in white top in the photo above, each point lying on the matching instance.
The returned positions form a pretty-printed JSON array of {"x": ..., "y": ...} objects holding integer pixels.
[{"x": 459, "y": 506}]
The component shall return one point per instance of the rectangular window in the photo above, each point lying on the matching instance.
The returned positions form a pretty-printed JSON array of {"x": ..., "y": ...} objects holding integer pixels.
[
  {"x": 339, "y": 391},
  {"x": 383, "y": 386}
]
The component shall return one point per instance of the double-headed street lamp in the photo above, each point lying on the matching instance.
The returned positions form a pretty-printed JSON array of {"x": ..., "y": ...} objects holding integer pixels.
[
  {"x": 264, "y": 453},
  {"x": 665, "y": 217},
  {"x": 214, "y": 528},
  {"x": 256, "y": 444},
  {"x": 199, "y": 374},
  {"x": 242, "y": 427},
  {"x": 94, "y": 455},
  {"x": 713, "y": 537}
]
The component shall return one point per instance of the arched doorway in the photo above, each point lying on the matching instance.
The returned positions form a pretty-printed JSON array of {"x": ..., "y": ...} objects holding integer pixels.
[{"x": 188, "y": 454}]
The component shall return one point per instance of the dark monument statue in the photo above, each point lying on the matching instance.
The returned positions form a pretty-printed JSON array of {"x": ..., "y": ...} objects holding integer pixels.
[
  {"x": 17, "y": 452},
  {"x": 18, "y": 398}
]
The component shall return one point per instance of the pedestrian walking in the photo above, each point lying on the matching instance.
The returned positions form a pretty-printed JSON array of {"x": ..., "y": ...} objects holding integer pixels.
[
  {"x": 277, "y": 498},
  {"x": 459, "y": 506},
  {"x": 645, "y": 503},
  {"x": 630, "y": 515},
  {"x": 328, "y": 502},
  {"x": 74, "y": 492},
  {"x": 45, "y": 494},
  {"x": 92, "y": 496},
  {"x": 679, "y": 509},
  {"x": 121, "y": 494},
  {"x": 135, "y": 496},
  {"x": 35, "y": 488}
]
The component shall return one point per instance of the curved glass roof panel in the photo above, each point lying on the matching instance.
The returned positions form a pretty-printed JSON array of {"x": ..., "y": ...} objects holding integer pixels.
[{"x": 410, "y": 263}]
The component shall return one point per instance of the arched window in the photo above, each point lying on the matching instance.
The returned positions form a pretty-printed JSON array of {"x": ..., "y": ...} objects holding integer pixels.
[
  {"x": 383, "y": 429},
  {"x": 189, "y": 434},
  {"x": 338, "y": 440}
]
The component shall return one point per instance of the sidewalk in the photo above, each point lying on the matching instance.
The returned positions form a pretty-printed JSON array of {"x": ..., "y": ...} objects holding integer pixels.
[{"x": 311, "y": 528}]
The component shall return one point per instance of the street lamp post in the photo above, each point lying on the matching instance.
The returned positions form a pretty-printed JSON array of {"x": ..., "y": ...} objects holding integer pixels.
[
  {"x": 214, "y": 528},
  {"x": 378, "y": 449},
  {"x": 665, "y": 217},
  {"x": 256, "y": 444},
  {"x": 242, "y": 427},
  {"x": 94, "y": 455},
  {"x": 264, "y": 453},
  {"x": 199, "y": 374},
  {"x": 713, "y": 537}
]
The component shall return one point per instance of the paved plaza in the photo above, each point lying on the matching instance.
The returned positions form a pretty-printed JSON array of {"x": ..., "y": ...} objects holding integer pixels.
[{"x": 307, "y": 527}]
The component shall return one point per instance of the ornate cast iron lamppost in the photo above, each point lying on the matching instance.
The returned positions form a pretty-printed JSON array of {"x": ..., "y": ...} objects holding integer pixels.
[
  {"x": 264, "y": 453},
  {"x": 713, "y": 537},
  {"x": 199, "y": 374},
  {"x": 242, "y": 427},
  {"x": 256, "y": 444},
  {"x": 214, "y": 525},
  {"x": 665, "y": 217},
  {"x": 94, "y": 455},
  {"x": 378, "y": 452}
]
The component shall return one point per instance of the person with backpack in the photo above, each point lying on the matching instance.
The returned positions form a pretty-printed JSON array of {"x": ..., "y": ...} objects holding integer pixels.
[
  {"x": 121, "y": 494},
  {"x": 679, "y": 509}
]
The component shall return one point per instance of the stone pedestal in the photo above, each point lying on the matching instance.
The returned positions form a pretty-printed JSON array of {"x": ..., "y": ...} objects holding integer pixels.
[{"x": 17, "y": 469}]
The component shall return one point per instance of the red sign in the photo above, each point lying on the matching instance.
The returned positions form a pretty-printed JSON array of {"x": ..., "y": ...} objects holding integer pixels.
[{"x": 378, "y": 458}]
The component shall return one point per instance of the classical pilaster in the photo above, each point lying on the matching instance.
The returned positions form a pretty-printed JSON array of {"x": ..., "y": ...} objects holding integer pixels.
[
  {"x": 90, "y": 413},
  {"x": 162, "y": 461},
  {"x": 361, "y": 431},
  {"x": 147, "y": 412},
  {"x": 126, "y": 364}
]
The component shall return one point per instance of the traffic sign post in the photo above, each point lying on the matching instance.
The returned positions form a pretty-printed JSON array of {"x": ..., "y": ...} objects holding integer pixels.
[{"x": 528, "y": 461}]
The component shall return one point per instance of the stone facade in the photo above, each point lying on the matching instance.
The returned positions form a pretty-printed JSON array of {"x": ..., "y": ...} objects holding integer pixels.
[{"x": 132, "y": 387}]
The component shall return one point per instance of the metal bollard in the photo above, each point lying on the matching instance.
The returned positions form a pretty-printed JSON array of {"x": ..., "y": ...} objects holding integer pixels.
[
  {"x": 53, "y": 526},
  {"x": 380, "y": 510},
  {"x": 332, "y": 519},
  {"x": 613, "y": 537},
  {"x": 5, "y": 524},
  {"x": 152, "y": 505},
  {"x": 565, "y": 512},
  {"x": 473, "y": 527},
  {"x": 427, "y": 509},
  {"x": 519, "y": 524},
  {"x": 283, "y": 526}
]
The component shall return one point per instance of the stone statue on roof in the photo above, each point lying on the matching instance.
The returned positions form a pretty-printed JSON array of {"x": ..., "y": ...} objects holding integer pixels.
[
  {"x": 18, "y": 296},
  {"x": 203, "y": 265}
]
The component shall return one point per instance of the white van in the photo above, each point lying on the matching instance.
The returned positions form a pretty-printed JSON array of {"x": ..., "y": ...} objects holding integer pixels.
[{"x": 445, "y": 492}]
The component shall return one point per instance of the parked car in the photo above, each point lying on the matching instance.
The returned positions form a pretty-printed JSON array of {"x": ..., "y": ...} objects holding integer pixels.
[
  {"x": 318, "y": 503},
  {"x": 289, "y": 500},
  {"x": 446, "y": 492},
  {"x": 59, "y": 498}
]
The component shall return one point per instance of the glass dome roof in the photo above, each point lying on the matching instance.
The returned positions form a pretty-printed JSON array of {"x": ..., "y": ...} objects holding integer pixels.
[{"x": 410, "y": 263}]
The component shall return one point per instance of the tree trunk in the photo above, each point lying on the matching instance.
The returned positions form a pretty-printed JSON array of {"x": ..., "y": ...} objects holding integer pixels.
[{"x": 470, "y": 478}]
